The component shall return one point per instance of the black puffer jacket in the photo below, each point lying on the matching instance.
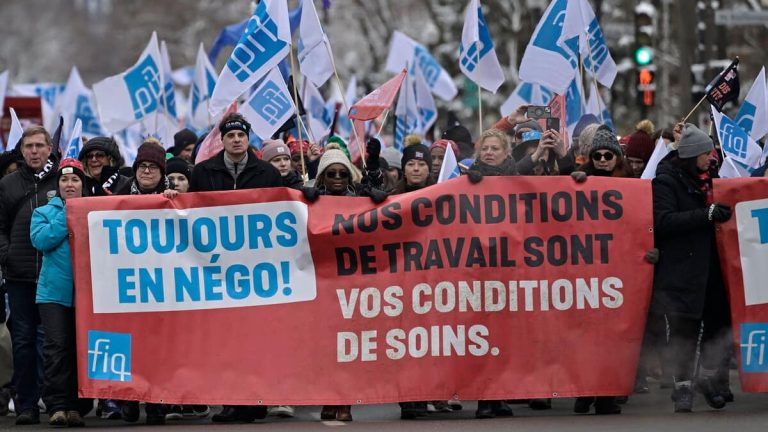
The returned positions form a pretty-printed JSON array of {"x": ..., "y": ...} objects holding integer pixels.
[
  {"x": 686, "y": 241},
  {"x": 507, "y": 168},
  {"x": 213, "y": 175},
  {"x": 20, "y": 194},
  {"x": 109, "y": 183}
]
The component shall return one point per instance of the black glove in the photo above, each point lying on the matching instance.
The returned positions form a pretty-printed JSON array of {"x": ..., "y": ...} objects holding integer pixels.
[
  {"x": 475, "y": 176},
  {"x": 719, "y": 212},
  {"x": 377, "y": 196},
  {"x": 652, "y": 256},
  {"x": 310, "y": 194},
  {"x": 372, "y": 151},
  {"x": 579, "y": 176}
]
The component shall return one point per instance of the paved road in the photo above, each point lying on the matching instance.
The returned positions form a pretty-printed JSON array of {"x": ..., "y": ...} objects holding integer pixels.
[{"x": 649, "y": 412}]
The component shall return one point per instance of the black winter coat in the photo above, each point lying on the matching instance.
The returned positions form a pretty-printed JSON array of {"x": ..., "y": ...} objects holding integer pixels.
[
  {"x": 20, "y": 194},
  {"x": 213, "y": 175},
  {"x": 686, "y": 241},
  {"x": 109, "y": 183}
]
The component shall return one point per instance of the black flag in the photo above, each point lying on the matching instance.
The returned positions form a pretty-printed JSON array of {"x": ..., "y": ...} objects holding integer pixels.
[{"x": 725, "y": 87}]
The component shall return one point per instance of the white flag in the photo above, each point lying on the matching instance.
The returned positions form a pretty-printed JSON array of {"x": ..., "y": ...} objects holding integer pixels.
[
  {"x": 525, "y": 94},
  {"x": 733, "y": 169},
  {"x": 580, "y": 21},
  {"x": 753, "y": 113},
  {"x": 77, "y": 103},
  {"x": 404, "y": 52},
  {"x": 735, "y": 141},
  {"x": 265, "y": 42},
  {"x": 49, "y": 94},
  {"x": 168, "y": 99},
  {"x": 126, "y": 98},
  {"x": 3, "y": 87},
  {"x": 203, "y": 82},
  {"x": 407, "y": 113},
  {"x": 425, "y": 103},
  {"x": 16, "y": 131},
  {"x": 314, "y": 51},
  {"x": 75, "y": 141},
  {"x": 318, "y": 116},
  {"x": 477, "y": 57},
  {"x": 269, "y": 106},
  {"x": 450, "y": 167},
  {"x": 659, "y": 153},
  {"x": 545, "y": 61}
]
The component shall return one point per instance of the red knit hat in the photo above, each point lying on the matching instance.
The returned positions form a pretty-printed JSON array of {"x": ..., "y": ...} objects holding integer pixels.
[
  {"x": 151, "y": 152},
  {"x": 640, "y": 145},
  {"x": 296, "y": 146},
  {"x": 443, "y": 144}
]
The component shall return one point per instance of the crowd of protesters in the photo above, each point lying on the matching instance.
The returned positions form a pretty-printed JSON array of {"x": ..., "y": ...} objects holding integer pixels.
[{"x": 689, "y": 308}]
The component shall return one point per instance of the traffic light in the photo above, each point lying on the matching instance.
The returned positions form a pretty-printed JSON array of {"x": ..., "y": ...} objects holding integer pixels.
[
  {"x": 646, "y": 86},
  {"x": 645, "y": 28}
]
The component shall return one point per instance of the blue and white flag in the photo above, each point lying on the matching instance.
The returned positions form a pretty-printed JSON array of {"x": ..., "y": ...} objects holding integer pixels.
[
  {"x": 736, "y": 142},
  {"x": 270, "y": 105},
  {"x": 75, "y": 141},
  {"x": 425, "y": 103},
  {"x": 128, "y": 97},
  {"x": 545, "y": 60},
  {"x": 450, "y": 167},
  {"x": 77, "y": 103},
  {"x": 477, "y": 57},
  {"x": 525, "y": 94},
  {"x": 597, "y": 107},
  {"x": 319, "y": 118},
  {"x": 407, "y": 113},
  {"x": 753, "y": 113},
  {"x": 732, "y": 168},
  {"x": 265, "y": 43},
  {"x": 203, "y": 82},
  {"x": 16, "y": 131},
  {"x": 343, "y": 123},
  {"x": 580, "y": 21},
  {"x": 574, "y": 105},
  {"x": 404, "y": 52},
  {"x": 314, "y": 51},
  {"x": 49, "y": 94},
  {"x": 169, "y": 97}
]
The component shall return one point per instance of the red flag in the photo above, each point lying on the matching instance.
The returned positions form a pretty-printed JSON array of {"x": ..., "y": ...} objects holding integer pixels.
[
  {"x": 211, "y": 145},
  {"x": 373, "y": 104}
]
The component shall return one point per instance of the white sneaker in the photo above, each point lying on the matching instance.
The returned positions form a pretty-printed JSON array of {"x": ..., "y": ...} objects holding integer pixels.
[
  {"x": 284, "y": 411},
  {"x": 11, "y": 406}
]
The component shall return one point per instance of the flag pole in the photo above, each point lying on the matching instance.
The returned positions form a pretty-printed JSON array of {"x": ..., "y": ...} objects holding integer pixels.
[
  {"x": 594, "y": 80},
  {"x": 694, "y": 108},
  {"x": 383, "y": 122},
  {"x": 346, "y": 108},
  {"x": 479, "y": 93},
  {"x": 304, "y": 175}
]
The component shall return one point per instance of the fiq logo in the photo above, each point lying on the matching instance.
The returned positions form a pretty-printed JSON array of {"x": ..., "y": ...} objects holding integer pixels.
[
  {"x": 754, "y": 337},
  {"x": 752, "y": 226},
  {"x": 109, "y": 356}
]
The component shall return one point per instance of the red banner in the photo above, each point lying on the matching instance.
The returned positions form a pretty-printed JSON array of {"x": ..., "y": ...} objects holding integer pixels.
[
  {"x": 743, "y": 246},
  {"x": 517, "y": 287}
]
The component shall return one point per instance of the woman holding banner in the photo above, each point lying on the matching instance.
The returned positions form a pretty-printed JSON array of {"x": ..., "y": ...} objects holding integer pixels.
[
  {"x": 688, "y": 283},
  {"x": 54, "y": 298},
  {"x": 493, "y": 156}
]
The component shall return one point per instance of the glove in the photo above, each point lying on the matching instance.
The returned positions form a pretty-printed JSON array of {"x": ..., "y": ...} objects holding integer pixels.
[
  {"x": 579, "y": 176},
  {"x": 373, "y": 151},
  {"x": 475, "y": 176},
  {"x": 377, "y": 196},
  {"x": 652, "y": 256},
  {"x": 719, "y": 212},
  {"x": 310, "y": 194}
]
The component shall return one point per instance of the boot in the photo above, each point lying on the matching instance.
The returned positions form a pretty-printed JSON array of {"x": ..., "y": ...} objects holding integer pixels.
[
  {"x": 583, "y": 404},
  {"x": 411, "y": 410},
  {"x": 501, "y": 409},
  {"x": 344, "y": 413},
  {"x": 74, "y": 419},
  {"x": 683, "y": 397},
  {"x": 540, "y": 404},
  {"x": 328, "y": 412},
  {"x": 705, "y": 385},
  {"x": 485, "y": 410},
  {"x": 606, "y": 405},
  {"x": 58, "y": 419}
]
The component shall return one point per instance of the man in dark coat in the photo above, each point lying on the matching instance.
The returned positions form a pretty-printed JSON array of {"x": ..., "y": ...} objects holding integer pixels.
[
  {"x": 21, "y": 192},
  {"x": 235, "y": 167}
]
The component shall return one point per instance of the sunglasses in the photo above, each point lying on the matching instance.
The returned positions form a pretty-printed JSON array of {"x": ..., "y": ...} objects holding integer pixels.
[
  {"x": 597, "y": 156},
  {"x": 96, "y": 155},
  {"x": 337, "y": 174}
]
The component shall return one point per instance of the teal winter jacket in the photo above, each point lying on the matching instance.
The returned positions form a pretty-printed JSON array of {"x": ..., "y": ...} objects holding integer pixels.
[{"x": 49, "y": 235}]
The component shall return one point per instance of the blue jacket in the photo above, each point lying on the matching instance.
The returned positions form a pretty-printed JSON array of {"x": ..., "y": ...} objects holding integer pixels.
[{"x": 49, "y": 235}]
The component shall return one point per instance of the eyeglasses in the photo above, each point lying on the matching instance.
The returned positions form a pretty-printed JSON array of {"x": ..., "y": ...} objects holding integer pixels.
[
  {"x": 96, "y": 155},
  {"x": 596, "y": 156},
  {"x": 337, "y": 174},
  {"x": 148, "y": 167}
]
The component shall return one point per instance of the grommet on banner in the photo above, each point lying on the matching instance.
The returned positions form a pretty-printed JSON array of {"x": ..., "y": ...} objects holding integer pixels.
[
  {"x": 260, "y": 402},
  {"x": 650, "y": 229},
  {"x": 554, "y": 394},
  {"x": 455, "y": 397},
  {"x": 359, "y": 401}
]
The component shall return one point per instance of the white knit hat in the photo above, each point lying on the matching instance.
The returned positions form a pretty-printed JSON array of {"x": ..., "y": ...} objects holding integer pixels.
[{"x": 334, "y": 155}]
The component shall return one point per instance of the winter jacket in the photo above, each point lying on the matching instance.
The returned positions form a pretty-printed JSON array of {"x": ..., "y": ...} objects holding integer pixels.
[
  {"x": 293, "y": 180},
  {"x": 212, "y": 175},
  {"x": 109, "y": 183},
  {"x": 507, "y": 168},
  {"x": 20, "y": 194},
  {"x": 49, "y": 235},
  {"x": 686, "y": 241},
  {"x": 554, "y": 165},
  {"x": 132, "y": 187}
]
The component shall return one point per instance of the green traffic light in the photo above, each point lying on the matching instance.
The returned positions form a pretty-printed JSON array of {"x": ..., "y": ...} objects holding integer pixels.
[{"x": 643, "y": 56}]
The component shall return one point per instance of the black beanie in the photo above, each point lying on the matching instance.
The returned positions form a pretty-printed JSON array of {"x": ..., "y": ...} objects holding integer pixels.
[
  {"x": 178, "y": 165},
  {"x": 417, "y": 152},
  {"x": 182, "y": 139}
]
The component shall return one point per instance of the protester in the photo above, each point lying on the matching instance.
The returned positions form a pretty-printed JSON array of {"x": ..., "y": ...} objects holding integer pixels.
[
  {"x": 101, "y": 159},
  {"x": 493, "y": 155},
  {"x": 639, "y": 148},
  {"x": 20, "y": 193},
  {"x": 184, "y": 142},
  {"x": 10, "y": 162},
  {"x": 54, "y": 298},
  {"x": 688, "y": 282},
  {"x": 179, "y": 172},
  {"x": 336, "y": 176},
  {"x": 393, "y": 170},
  {"x": 437, "y": 151},
  {"x": 279, "y": 155},
  {"x": 461, "y": 136}
]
